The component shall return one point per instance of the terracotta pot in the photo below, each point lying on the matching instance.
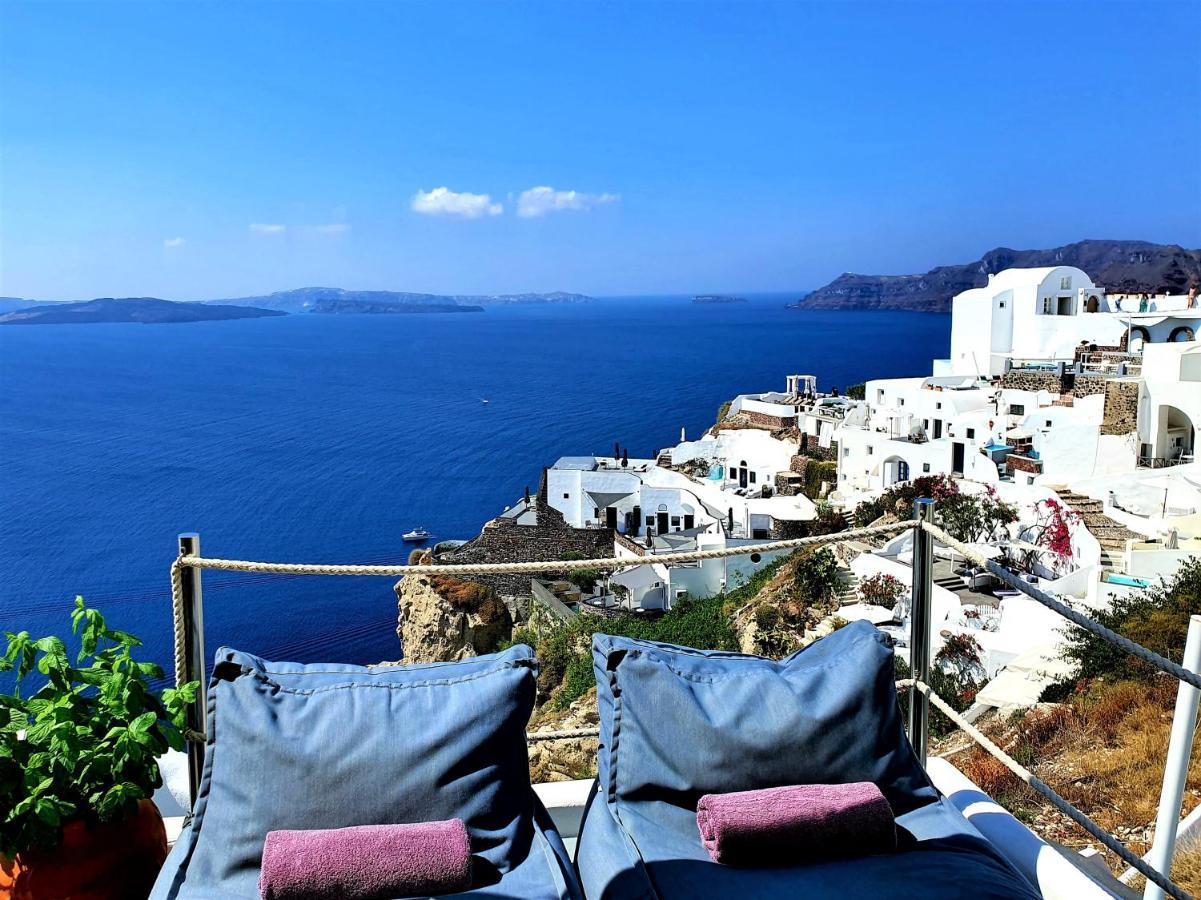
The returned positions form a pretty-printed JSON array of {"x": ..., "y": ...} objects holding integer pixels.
[{"x": 118, "y": 861}]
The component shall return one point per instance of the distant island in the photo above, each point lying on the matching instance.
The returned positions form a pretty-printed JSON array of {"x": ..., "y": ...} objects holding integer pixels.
[
  {"x": 339, "y": 300},
  {"x": 717, "y": 298},
  {"x": 1127, "y": 266},
  {"x": 144, "y": 310},
  {"x": 376, "y": 307},
  {"x": 316, "y": 300}
]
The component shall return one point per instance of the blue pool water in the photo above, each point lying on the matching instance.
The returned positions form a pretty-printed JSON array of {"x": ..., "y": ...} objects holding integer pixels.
[{"x": 324, "y": 438}]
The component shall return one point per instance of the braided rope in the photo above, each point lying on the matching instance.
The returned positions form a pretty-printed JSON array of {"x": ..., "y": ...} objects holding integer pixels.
[
  {"x": 177, "y": 623},
  {"x": 1112, "y": 843},
  {"x": 1148, "y": 656},
  {"x": 554, "y": 565}
]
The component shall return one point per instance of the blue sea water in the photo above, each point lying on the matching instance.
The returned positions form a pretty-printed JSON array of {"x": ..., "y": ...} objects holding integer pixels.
[{"x": 323, "y": 438}]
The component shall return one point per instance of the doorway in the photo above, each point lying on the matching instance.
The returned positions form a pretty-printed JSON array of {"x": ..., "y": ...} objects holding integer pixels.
[
  {"x": 662, "y": 524},
  {"x": 957, "y": 456},
  {"x": 611, "y": 518}
]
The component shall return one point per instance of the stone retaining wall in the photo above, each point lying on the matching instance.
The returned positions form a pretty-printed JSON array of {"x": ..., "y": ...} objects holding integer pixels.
[
  {"x": 1121, "y": 407},
  {"x": 1087, "y": 384}
]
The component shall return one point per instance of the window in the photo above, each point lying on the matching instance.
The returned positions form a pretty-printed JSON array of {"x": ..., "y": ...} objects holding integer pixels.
[
  {"x": 1065, "y": 283},
  {"x": 751, "y": 478},
  {"x": 880, "y": 395},
  {"x": 846, "y": 451},
  {"x": 900, "y": 401},
  {"x": 869, "y": 450},
  {"x": 1048, "y": 423},
  {"x": 567, "y": 496},
  {"x": 902, "y": 470},
  {"x": 1017, "y": 409},
  {"x": 650, "y": 520},
  {"x": 1001, "y": 305},
  {"x": 755, "y": 557},
  {"x": 925, "y": 467},
  {"x": 971, "y": 433},
  {"x": 596, "y": 511},
  {"x": 938, "y": 406},
  {"x": 1047, "y": 306},
  {"x": 675, "y": 521}
]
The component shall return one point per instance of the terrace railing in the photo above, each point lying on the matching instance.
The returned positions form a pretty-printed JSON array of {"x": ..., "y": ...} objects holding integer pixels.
[{"x": 187, "y": 605}]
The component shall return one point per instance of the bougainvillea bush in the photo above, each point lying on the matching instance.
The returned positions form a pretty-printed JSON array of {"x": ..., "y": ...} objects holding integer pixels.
[{"x": 881, "y": 589}]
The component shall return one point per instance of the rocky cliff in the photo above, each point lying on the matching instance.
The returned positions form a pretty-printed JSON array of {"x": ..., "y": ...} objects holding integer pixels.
[
  {"x": 443, "y": 618},
  {"x": 1131, "y": 266}
]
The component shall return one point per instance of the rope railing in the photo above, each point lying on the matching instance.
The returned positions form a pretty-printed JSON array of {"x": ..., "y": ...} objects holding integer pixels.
[{"x": 495, "y": 568}]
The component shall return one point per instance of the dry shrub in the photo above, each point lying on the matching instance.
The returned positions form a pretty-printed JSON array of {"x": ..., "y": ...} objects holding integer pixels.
[
  {"x": 468, "y": 596},
  {"x": 1186, "y": 867},
  {"x": 1106, "y": 706},
  {"x": 1049, "y": 729},
  {"x": 990, "y": 775}
]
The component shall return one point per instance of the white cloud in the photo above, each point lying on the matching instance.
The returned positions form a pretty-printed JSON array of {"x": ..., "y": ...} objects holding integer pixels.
[
  {"x": 443, "y": 201},
  {"x": 259, "y": 228},
  {"x": 538, "y": 201},
  {"x": 173, "y": 242},
  {"x": 332, "y": 228}
]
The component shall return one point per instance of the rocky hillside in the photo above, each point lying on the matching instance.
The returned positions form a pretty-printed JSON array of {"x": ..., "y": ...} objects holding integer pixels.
[
  {"x": 1118, "y": 265},
  {"x": 443, "y": 618}
]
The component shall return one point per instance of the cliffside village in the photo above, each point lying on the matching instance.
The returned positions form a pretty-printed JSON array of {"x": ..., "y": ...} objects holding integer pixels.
[{"x": 1078, "y": 408}]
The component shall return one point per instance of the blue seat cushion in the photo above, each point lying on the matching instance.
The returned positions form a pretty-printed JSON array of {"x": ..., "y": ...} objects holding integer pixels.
[
  {"x": 651, "y": 849},
  {"x": 328, "y": 746},
  {"x": 678, "y": 723}
]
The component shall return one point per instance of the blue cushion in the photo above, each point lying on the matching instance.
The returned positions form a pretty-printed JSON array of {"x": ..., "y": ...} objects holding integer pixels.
[
  {"x": 655, "y": 852},
  {"x": 328, "y": 746},
  {"x": 678, "y": 723}
]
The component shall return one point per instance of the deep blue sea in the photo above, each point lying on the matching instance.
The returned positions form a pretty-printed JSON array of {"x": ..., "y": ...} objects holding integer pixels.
[{"x": 323, "y": 438}]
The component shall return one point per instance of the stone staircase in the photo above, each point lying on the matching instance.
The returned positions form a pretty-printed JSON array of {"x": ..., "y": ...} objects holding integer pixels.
[
  {"x": 848, "y": 586},
  {"x": 1110, "y": 534},
  {"x": 952, "y": 583}
]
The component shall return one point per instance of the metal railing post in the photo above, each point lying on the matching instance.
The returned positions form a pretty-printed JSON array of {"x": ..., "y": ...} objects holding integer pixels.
[
  {"x": 1175, "y": 773},
  {"x": 921, "y": 596},
  {"x": 193, "y": 627}
]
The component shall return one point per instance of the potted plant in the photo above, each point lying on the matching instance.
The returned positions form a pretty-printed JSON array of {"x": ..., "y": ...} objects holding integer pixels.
[{"x": 78, "y": 765}]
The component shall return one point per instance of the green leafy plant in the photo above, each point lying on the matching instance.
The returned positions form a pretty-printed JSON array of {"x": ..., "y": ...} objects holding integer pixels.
[
  {"x": 816, "y": 576},
  {"x": 85, "y": 742}
]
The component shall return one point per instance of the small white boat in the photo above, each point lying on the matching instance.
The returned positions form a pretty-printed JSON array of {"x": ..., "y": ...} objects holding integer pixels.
[
  {"x": 416, "y": 536},
  {"x": 484, "y": 400}
]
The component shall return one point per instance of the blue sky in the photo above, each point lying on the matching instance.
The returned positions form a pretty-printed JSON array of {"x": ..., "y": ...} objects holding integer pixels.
[{"x": 210, "y": 150}]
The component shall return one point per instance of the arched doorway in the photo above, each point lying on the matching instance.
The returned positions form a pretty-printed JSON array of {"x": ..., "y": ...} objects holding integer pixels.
[
  {"x": 1183, "y": 333},
  {"x": 1093, "y": 303},
  {"x": 1176, "y": 439},
  {"x": 896, "y": 470}
]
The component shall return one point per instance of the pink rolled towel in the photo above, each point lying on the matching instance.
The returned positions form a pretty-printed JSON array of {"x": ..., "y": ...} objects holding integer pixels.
[
  {"x": 801, "y": 823},
  {"x": 366, "y": 862}
]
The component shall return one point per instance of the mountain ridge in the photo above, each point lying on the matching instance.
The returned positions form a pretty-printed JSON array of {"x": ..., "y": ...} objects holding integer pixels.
[{"x": 1129, "y": 266}]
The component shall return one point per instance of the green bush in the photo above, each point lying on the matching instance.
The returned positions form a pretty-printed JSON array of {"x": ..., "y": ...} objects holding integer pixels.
[
  {"x": 816, "y": 576},
  {"x": 868, "y": 511},
  {"x": 1156, "y": 617},
  {"x": 857, "y": 391},
  {"x": 584, "y": 579},
  {"x": 85, "y": 743},
  {"x": 723, "y": 411}
]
